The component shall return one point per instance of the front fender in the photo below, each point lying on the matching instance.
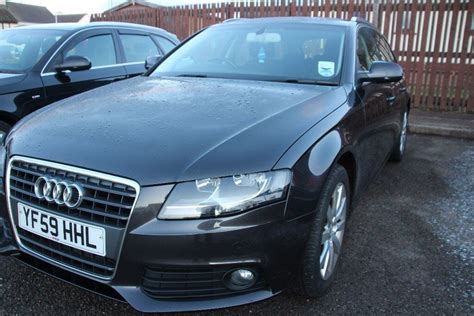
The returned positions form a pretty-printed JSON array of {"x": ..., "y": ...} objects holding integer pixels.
[
  {"x": 312, "y": 157},
  {"x": 312, "y": 137},
  {"x": 310, "y": 173}
]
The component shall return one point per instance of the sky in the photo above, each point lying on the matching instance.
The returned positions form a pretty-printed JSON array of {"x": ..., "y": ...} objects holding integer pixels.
[{"x": 94, "y": 6}]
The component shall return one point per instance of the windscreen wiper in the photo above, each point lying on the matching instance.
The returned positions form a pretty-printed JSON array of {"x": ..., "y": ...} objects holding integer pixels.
[
  {"x": 10, "y": 71},
  {"x": 192, "y": 76},
  {"x": 304, "y": 81}
]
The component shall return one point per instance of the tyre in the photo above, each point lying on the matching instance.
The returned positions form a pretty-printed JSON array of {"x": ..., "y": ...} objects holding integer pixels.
[
  {"x": 323, "y": 248},
  {"x": 398, "y": 150},
  {"x": 4, "y": 129}
]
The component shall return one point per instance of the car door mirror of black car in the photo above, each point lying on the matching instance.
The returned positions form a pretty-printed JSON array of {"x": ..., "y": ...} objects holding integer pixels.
[
  {"x": 74, "y": 63},
  {"x": 382, "y": 71},
  {"x": 152, "y": 61}
]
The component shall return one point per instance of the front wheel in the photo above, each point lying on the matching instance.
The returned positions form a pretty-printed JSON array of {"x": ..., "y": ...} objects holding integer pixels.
[
  {"x": 324, "y": 245},
  {"x": 399, "y": 149}
]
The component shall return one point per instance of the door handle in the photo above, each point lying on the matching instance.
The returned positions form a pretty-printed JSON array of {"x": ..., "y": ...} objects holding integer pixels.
[
  {"x": 119, "y": 78},
  {"x": 391, "y": 99}
]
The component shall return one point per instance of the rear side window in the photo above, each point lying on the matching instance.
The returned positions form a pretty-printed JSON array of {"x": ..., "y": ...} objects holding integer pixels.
[
  {"x": 165, "y": 44},
  {"x": 138, "y": 47},
  {"x": 99, "y": 49}
]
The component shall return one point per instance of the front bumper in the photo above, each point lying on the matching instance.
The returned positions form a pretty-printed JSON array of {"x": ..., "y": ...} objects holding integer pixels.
[{"x": 262, "y": 239}]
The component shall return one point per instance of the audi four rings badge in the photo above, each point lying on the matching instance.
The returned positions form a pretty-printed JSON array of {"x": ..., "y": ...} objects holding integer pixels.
[{"x": 59, "y": 191}]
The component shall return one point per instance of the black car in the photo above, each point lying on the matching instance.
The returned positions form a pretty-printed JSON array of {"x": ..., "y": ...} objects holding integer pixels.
[
  {"x": 45, "y": 63},
  {"x": 221, "y": 177}
]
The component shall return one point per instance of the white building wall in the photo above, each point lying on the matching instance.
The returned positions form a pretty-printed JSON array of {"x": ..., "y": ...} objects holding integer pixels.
[{"x": 85, "y": 19}]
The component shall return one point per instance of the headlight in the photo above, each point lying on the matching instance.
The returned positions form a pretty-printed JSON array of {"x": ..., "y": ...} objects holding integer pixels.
[{"x": 224, "y": 196}]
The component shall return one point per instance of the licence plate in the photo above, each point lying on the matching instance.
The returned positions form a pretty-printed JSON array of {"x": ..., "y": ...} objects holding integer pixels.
[{"x": 68, "y": 232}]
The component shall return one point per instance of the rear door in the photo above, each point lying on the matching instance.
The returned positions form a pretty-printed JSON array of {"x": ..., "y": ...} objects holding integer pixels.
[
  {"x": 136, "y": 46},
  {"x": 101, "y": 48}
]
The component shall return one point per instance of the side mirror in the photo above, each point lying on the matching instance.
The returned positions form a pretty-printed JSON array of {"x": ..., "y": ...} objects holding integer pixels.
[
  {"x": 152, "y": 61},
  {"x": 74, "y": 63},
  {"x": 382, "y": 71}
]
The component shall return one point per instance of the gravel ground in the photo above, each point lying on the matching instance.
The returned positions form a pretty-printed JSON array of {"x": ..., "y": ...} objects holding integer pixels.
[{"x": 408, "y": 249}]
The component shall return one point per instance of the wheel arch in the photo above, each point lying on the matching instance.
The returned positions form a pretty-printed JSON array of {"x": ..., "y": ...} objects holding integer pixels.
[
  {"x": 312, "y": 169},
  {"x": 8, "y": 118},
  {"x": 348, "y": 161}
]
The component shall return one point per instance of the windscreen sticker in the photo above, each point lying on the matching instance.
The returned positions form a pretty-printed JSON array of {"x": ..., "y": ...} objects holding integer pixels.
[{"x": 326, "y": 68}]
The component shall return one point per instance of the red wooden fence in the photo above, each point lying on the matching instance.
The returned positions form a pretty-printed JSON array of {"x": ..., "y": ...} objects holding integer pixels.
[{"x": 433, "y": 40}]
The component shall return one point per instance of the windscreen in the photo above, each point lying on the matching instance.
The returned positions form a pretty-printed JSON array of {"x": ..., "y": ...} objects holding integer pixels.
[
  {"x": 281, "y": 52},
  {"x": 21, "y": 49}
]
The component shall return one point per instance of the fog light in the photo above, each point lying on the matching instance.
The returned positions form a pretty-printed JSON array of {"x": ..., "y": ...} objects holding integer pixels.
[{"x": 241, "y": 279}]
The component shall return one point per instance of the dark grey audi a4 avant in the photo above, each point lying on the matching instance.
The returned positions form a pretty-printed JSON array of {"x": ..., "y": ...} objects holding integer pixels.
[{"x": 221, "y": 177}]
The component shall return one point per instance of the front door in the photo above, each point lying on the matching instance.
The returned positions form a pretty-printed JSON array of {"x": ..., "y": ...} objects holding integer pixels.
[
  {"x": 378, "y": 101},
  {"x": 100, "y": 47}
]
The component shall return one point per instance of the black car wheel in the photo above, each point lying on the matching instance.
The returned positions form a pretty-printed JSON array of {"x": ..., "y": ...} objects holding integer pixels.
[
  {"x": 4, "y": 129},
  {"x": 399, "y": 149},
  {"x": 323, "y": 248}
]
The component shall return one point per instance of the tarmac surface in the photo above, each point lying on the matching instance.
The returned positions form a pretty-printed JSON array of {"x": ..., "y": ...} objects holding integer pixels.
[{"x": 408, "y": 249}]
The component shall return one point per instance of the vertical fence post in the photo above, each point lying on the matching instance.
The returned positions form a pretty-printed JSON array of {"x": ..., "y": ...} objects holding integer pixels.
[
  {"x": 377, "y": 14},
  {"x": 292, "y": 11},
  {"x": 230, "y": 10}
]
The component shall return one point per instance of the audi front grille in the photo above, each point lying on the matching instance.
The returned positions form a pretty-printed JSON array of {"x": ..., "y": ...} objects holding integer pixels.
[{"x": 108, "y": 202}]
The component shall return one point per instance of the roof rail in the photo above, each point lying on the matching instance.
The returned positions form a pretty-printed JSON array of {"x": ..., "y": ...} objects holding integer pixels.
[
  {"x": 233, "y": 20},
  {"x": 358, "y": 19}
]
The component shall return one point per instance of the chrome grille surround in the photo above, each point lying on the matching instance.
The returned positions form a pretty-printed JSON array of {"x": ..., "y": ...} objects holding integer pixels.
[{"x": 80, "y": 172}]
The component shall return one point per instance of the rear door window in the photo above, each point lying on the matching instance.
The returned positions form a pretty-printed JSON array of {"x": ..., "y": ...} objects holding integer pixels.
[
  {"x": 138, "y": 47},
  {"x": 165, "y": 44}
]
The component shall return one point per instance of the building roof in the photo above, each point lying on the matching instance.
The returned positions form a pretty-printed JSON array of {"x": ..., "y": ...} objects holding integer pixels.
[
  {"x": 28, "y": 13},
  {"x": 70, "y": 18},
  {"x": 133, "y": 2},
  {"x": 6, "y": 16}
]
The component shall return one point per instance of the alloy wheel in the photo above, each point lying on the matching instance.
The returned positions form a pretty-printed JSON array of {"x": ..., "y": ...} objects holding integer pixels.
[
  {"x": 333, "y": 232},
  {"x": 403, "y": 134}
]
